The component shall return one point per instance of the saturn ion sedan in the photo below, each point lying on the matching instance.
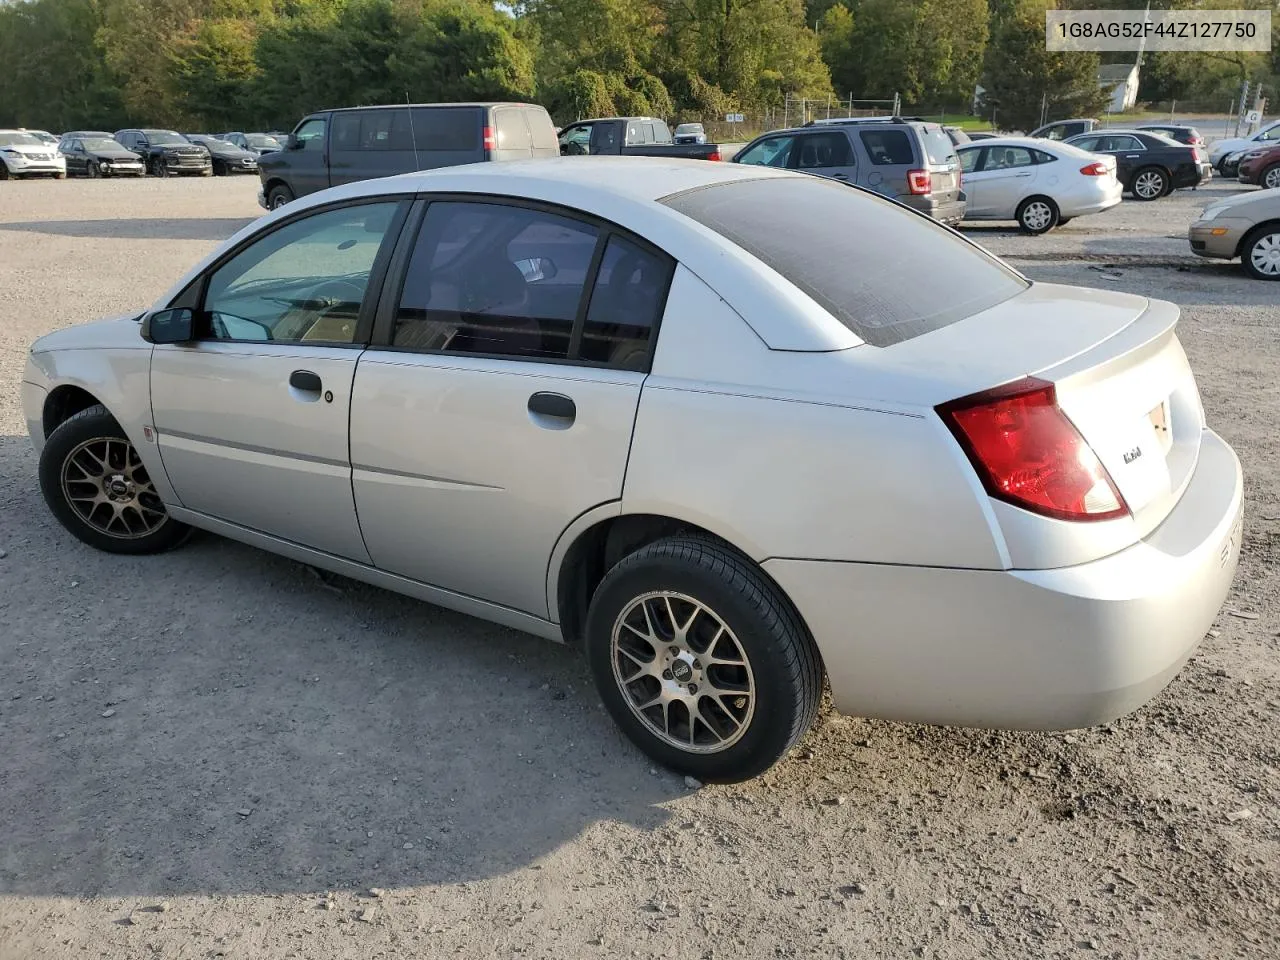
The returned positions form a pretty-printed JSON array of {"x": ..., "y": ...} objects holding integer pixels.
[{"x": 681, "y": 415}]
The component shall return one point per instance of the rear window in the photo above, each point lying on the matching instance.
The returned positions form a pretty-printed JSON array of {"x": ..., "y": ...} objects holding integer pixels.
[
  {"x": 937, "y": 145},
  {"x": 885, "y": 272},
  {"x": 543, "y": 130},
  {"x": 512, "y": 132}
]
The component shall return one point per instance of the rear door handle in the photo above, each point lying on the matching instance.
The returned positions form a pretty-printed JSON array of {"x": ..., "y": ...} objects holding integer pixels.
[
  {"x": 305, "y": 381},
  {"x": 554, "y": 406}
]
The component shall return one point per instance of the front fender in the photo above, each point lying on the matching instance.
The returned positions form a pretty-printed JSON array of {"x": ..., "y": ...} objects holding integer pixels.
[{"x": 120, "y": 379}]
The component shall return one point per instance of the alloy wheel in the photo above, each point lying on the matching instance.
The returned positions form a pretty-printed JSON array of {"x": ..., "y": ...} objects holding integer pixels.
[
  {"x": 106, "y": 483},
  {"x": 1037, "y": 216},
  {"x": 1271, "y": 180},
  {"x": 1265, "y": 255},
  {"x": 1149, "y": 185},
  {"x": 683, "y": 672}
]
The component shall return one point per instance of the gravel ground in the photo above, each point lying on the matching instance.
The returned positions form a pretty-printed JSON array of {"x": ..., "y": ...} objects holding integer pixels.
[{"x": 216, "y": 753}]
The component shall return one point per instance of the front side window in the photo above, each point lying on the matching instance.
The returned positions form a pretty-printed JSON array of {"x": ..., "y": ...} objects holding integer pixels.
[
  {"x": 818, "y": 150},
  {"x": 887, "y": 147},
  {"x": 302, "y": 282},
  {"x": 576, "y": 140},
  {"x": 310, "y": 135},
  {"x": 494, "y": 279},
  {"x": 1057, "y": 133},
  {"x": 771, "y": 152},
  {"x": 969, "y": 159}
]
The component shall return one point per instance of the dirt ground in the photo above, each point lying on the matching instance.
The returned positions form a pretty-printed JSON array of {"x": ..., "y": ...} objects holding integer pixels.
[{"x": 216, "y": 753}]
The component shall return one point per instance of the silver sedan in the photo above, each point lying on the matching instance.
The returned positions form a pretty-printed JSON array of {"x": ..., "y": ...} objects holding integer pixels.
[{"x": 680, "y": 415}]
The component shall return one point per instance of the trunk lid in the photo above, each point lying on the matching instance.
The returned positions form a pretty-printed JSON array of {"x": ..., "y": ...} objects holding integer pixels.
[{"x": 941, "y": 161}]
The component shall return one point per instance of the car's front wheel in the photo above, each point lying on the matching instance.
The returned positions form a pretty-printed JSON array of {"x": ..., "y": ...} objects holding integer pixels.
[
  {"x": 1260, "y": 253},
  {"x": 1270, "y": 178},
  {"x": 1037, "y": 215},
  {"x": 98, "y": 487},
  {"x": 701, "y": 661},
  {"x": 278, "y": 197},
  {"x": 92, "y": 170},
  {"x": 1151, "y": 183}
]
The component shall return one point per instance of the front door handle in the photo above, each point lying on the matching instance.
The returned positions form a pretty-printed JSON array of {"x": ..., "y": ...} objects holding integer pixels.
[
  {"x": 306, "y": 381},
  {"x": 555, "y": 407}
]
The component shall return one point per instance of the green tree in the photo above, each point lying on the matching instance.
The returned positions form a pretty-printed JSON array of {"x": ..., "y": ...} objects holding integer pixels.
[
  {"x": 835, "y": 32},
  {"x": 1022, "y": 77}
]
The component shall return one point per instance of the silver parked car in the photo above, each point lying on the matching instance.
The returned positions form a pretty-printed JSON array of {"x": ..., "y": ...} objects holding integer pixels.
[{"x": 681, "y": 415}]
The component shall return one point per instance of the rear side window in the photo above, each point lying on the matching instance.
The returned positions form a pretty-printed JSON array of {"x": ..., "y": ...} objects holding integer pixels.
[
  {"x": 453, "y": 128},
  {"x": 1042, "y": 157},
  {"x": 937, "y": 145},
  {"x": 626, "y": 305},
  {"x": 372, "y": 130},
  {"x": 818, "y": 150},
  {"x": 888, "y": 147},
  {"x": 856, "y": 254}
]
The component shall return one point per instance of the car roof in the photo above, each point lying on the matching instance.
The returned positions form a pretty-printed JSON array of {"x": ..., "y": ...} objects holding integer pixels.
[
  {"x": 401, "y": 106},
  {"x": 1029, "y": 143}
]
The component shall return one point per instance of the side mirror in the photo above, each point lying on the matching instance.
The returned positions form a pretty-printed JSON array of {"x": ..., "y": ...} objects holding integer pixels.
[
  {"x": 169, "y": 326},
  {"x": 292, "y": 143}
]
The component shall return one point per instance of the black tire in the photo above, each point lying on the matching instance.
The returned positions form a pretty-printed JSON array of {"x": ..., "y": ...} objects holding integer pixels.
[
  {"x": 278, "y": 197},
  {"x": 1037, "y": 215},
  {"x": 219, "y": 170},
  {"x": 92, "y": 171},
  {"x": 783, "y": 660},
  {"x": 60, "y": 176},
  {"x": 1269, "y": 179},
  {"x": 1266, "y": 234},
  {"x": 162, "y": 169},
  {"x": 95, "y": 423},
  {"x": 4, "y": 171},
  {"x": 1149, "y": 183}
]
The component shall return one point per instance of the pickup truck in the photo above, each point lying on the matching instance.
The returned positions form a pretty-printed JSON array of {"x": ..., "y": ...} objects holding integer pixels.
[{"x": 630, "y": 137}]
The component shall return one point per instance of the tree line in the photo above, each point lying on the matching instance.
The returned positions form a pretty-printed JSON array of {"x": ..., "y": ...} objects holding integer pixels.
[{"x": 262, "y": 64}]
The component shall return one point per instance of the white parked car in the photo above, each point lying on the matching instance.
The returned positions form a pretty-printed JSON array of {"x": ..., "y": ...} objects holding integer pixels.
[
  {"x": 1225, "y": 154},
  {"x": 25, "y": 155},
  {"x": 679, "y": 414},
  {"x": 1037, "y": 182}
]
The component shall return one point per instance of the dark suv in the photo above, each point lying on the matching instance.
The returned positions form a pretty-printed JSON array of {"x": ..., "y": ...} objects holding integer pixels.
[
  {"x": 360, "y": 143},
  {"x": 909, "y": 160},
  {"x": 167, "y": 152}
]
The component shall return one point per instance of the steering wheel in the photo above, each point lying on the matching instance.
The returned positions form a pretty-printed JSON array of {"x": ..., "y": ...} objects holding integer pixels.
[{"x": 328, "y": 294}]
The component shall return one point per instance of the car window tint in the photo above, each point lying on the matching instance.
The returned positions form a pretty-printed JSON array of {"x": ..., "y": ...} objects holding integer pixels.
[
  {"x": 799, "y": 226},
  {"x": 494, "y": 279},
  {"x": 1087, "y": 143},
  {"x": 302, "y": 282},
  {"x": 1041, "y": 157},
  {"x": 771, "y": 152},
  {"x": 310, "y": 135},
  {"x": 887, "y": 147},
  {"x": 1006, "y": 158},
  {"x": 819, "y": 150},
  {"x": 576, "y": 140},
  {"x": 969, "y": 159},
  {"x": 626, "y": 305}
]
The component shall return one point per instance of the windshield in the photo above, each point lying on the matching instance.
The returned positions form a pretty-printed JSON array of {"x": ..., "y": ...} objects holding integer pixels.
[
  {"x": 18, "y": 140},
  {"x": 685, "y": 128},
  {"x": 98, "y": 143},
  {"x": 164, "y": 136},
  {"x": 262, "y": 140},
  {"x": 800, "y": 226},
  {"x": 44, "y": 137}
]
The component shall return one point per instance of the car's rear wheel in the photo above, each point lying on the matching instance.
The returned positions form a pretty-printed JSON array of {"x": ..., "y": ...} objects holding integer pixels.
[
  {"x": 1150, "y": 183},
  {"x": 1260, "y": 253},
  {"x": 701, "y": 661},
  {"x": 98, "y": 487},
  {"x": 278, "y": 197},
  {"x": 1270, "y": 178},
  {"x": 1037, "y": 215},
  {"x": 219, "y": 169}
]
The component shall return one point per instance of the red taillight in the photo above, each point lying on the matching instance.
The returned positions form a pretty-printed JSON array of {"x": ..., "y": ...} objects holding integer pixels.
[
  {"x": 490, "y": 141},
  {"x": 1095, "y": 170},
  {"x": 1029, "y": 454},
  {"x": 1198, "y": 141},
  {"x": 919, "y": 182},
  {"x": 1195, "y": 154},
  {"x": 714, "y": 155}
]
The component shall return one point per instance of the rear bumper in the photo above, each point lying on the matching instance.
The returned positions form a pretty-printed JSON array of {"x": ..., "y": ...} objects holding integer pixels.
[
  {"x": 1027, "y": 649},
  {"x": 1096, "y": 201},
  {"x": 948, "y": 211},
  {"x": 1192, "y": 175}
]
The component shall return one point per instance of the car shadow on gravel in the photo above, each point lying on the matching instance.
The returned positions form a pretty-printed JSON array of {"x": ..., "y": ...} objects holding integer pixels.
[
  {"x": 192, "y": 228},
  {"x": 219, "y": 720}
]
